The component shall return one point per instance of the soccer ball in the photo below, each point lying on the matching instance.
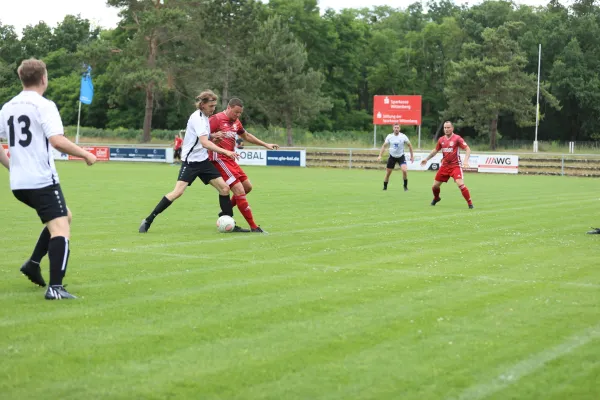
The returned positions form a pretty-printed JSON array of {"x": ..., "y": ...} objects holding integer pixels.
[{"x": 225, "y": 224}]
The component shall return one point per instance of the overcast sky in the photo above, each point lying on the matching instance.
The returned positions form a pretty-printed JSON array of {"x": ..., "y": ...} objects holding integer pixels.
[{"x": 53, "y": 11}]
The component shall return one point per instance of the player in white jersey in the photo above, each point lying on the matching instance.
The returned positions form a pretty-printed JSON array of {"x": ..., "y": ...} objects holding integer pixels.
[
  {"x": 396, "y": 141},
  {"x": 32, "y": 124},
  {"x": 195, "y": 162}
]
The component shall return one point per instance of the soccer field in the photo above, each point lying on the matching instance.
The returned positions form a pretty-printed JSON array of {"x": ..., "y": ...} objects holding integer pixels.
[{"x": 356, "y": 293}]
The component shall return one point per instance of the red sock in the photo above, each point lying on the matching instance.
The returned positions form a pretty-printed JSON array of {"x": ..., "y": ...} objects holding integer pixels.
[
  {"x": 436, "y": 192},
  {"x": 233, "y": 201},
  {"x": 466, "y": 194},
  {"x": 244, "y": 208}
]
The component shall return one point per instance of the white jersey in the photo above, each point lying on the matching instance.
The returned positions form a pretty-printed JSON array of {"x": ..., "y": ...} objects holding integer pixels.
[
  {"x": 28, "y": 121},
  {"x": 192, "y": 150},
  {"x": 396, "y": 143}
]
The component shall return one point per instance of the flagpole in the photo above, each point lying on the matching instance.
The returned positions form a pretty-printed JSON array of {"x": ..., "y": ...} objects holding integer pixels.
[
  {"x": 374, "y": 136},
  {"x": 537, "y": 106},
  {"x": 78, "y": 120}
]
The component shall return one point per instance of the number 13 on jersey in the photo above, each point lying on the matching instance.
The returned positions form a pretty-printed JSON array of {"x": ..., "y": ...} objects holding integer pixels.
[{"x": 24, "y": 123}]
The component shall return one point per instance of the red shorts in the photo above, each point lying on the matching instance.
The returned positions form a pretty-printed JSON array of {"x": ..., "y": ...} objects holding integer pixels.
[
  {"x": 231, "y": 172},
  {"x": 445, "y": 172}
]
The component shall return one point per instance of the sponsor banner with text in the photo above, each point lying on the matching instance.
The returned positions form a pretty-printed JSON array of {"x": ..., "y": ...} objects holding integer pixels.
[
  {"x": 403, "y": 110},
  {"x": 138, "y": 154},
  {"x": 502, "y": 164},
  {"x": 252, "y": 157},
  {"x": 290, "y": 158}
]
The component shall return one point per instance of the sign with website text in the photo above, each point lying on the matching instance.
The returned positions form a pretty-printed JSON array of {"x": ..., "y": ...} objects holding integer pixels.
[
  {"x": 290, "y": 158},
  {"x": 403, "y": 110},
  {"x": 138, "y": 154}
]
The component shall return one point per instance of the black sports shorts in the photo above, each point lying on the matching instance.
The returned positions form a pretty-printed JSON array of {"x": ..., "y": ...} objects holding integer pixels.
[
  {"x": 393, "y": 160},
  {"x": 205, "y": 170},
  {"x": 48, "y": 201}
]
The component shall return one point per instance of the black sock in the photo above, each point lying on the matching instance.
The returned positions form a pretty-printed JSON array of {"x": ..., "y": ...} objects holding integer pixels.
[
  {"x": 385, "y": 185},
  {"x": 225, "y": 203},
  {"x": 41, "y": 247},
  {"x": 406, "y": 183},
  {"x": 162, "y": 205},
  {"x": 58, "y": 253}
]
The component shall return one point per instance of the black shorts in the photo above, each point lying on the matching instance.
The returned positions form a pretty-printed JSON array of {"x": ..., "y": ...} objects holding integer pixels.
[
  {"x": 49, "y": 201},
  {"x": 205, "y": 170},
  {"x": 177, "y": 153},
  {"x": 393, "y": 160}
]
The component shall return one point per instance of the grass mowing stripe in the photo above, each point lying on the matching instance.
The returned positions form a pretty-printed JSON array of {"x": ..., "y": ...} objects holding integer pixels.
[{"x": 313, "y": 230}]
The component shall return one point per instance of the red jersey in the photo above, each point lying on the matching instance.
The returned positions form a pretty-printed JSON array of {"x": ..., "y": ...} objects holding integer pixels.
[
  {"x": 221, "y": 122},
  {"x": 178, "y": 143},
  {"x": 450, "y": 149}
]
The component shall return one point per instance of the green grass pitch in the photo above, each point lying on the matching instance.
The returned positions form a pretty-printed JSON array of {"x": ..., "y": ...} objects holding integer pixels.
[{"x": 356, "y": 293}]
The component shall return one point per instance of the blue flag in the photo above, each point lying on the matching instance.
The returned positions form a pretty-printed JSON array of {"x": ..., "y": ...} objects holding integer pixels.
[{"x": 86, "y": 92}]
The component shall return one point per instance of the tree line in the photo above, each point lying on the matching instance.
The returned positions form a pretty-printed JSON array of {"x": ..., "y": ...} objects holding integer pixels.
[{"x": 295, "y": 65}]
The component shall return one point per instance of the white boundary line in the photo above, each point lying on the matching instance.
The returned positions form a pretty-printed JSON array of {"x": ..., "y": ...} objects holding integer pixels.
[{"x": 529, "y": 365}]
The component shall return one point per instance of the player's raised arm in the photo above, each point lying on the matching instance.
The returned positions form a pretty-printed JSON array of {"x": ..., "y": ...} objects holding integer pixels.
[
  {"x": 248, "y": 137},
  {"x": 216, "y": 137},
  {"x": 64, "y": 145},
  {"x": 207, "y": 144},
  {"x": 53, "y": 130}
]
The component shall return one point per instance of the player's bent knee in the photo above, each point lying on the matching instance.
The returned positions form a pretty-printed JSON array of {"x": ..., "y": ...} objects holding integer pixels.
[
  {"x": 238, "y": 190},
  {"x": 174, "y": 195},
  {"x": 69, "y": 216},
  {"x": 59, "y": 227}
]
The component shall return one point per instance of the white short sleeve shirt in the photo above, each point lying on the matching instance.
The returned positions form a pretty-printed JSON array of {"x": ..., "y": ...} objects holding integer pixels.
[
  {"x": 396, "y": 143},
  {"x": 28, "y": 121},
  {"x": 197, "y": 126}
]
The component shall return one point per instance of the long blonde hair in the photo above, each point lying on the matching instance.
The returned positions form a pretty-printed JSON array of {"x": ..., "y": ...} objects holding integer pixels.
[{"x": 205, "y": 97}]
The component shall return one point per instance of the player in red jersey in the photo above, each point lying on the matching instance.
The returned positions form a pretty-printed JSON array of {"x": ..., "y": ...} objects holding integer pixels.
[
  {"x": 229, "y": 124},
  {"x": 177, "y": 147},
  {"x": 450, "y": 145}
]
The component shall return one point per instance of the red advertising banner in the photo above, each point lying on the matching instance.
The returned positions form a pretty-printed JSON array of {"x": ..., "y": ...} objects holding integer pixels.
[
  {"x": 403, "y": 110},
  {"x": 101, "y": 153}
]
